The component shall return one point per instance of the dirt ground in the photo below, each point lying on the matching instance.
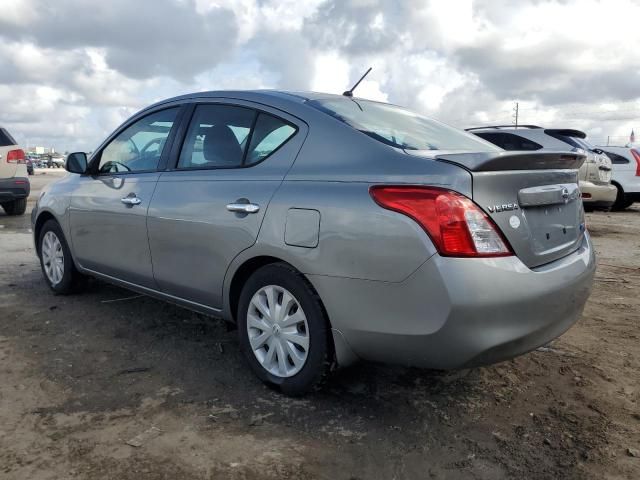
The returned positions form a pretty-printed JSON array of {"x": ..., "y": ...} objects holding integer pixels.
[{"x": 83, "y": 376}]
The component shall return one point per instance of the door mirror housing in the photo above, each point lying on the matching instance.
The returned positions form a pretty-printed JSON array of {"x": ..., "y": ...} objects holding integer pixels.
[{"x": 76, "y": 163}]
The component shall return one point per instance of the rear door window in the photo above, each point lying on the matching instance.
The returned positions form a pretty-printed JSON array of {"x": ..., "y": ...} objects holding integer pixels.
[
  {"x": 509, "y": 141},
  {"x": 6, "y": 140},
  {"x": 615, "y": 158},
  {"x": 217, "y": 137},
  {"x": 230, "y": 136}
]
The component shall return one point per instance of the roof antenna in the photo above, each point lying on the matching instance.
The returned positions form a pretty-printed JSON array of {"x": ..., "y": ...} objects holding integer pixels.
[{"x": 349, "y": 93}]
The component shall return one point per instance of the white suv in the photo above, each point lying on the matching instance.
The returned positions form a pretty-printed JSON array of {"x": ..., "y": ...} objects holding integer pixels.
[
  {"x": 626, "y": 174},
  {"x": 14, "y": 181},
  {"x": 594, "y": 176}
]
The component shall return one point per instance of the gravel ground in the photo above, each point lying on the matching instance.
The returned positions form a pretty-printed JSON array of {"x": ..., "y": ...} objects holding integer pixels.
[{"x": 108, "y": 384}]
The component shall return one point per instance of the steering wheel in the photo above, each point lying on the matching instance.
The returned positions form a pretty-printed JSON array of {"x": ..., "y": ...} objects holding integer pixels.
[
  {"x": 110, "y": 164},
  {"x": 159, "y": 141}
]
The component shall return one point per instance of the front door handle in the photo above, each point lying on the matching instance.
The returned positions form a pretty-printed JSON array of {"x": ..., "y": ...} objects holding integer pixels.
[
  {"x": 131, "y": 199},
  {"x": 243, "y": 207}
]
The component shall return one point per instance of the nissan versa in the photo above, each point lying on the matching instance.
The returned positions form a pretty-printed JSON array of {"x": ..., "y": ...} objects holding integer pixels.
[{"x": 329, "y": 229}]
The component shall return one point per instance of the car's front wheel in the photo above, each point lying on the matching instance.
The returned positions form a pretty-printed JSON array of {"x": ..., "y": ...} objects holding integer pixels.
[
  {"x": 284, "y": 332},
  {"x": 55, "y": 260}
]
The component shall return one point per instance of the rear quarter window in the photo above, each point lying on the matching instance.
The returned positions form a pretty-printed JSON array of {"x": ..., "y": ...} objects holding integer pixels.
[
  {"x": 6, "y": 140},
  {"x": 617, "y": 159}
]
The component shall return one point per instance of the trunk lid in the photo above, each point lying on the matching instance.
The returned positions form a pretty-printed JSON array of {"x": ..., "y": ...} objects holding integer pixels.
[{"x": 533, "y": 197}]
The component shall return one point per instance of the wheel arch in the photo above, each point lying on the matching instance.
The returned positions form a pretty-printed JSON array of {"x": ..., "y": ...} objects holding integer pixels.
[
  {"x": 42, "y": 218},
  {"x": 343, "y": 353}
]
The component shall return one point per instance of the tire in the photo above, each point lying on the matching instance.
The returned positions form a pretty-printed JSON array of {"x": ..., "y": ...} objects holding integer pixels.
[
  {"x": 620, "y": 203},
  {"x": 70, "y": 280},
  {"x": 296, "y": 378},
  {"x": 16, "y": 207}
]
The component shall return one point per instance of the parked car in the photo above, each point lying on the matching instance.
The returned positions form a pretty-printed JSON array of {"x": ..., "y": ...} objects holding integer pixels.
[
  {"x": 14, "y": 181},
  {"x": 329, "y": 229},
  {"x": 626, "y": 174},
  {"x": 594, "y": 175},
  {"x": 57, "y": 161}
]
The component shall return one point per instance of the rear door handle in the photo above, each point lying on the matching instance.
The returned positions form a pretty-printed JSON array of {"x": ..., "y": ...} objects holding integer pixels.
[
  {"x": 243, "y": 207},
  {"x": 131, "y": 199}
]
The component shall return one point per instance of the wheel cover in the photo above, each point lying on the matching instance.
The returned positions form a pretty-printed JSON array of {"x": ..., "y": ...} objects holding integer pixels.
[
  {"x": 278, "y": 331},
  {"x": 52, "y": 257}
]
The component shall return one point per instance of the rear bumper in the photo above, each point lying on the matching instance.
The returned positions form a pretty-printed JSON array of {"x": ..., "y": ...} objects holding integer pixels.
[
  {"x": 456, "y": 312},
  {"x": 14, "y": 188},
  {"x": 601, "y": 196}
]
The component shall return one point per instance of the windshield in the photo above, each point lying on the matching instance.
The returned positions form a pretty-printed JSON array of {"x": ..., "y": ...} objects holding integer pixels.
[{"x": 401, "y": 128}]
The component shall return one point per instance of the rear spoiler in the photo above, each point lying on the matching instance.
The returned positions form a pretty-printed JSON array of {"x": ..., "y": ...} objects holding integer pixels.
[
  {"x": 566, "y": 132},
  {"x": 495, "y": 161}
]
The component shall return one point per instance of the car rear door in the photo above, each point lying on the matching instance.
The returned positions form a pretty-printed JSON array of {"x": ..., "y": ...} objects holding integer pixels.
[
  {"x": 108, "y": 211},
  {"x": 209, "y": 207}
]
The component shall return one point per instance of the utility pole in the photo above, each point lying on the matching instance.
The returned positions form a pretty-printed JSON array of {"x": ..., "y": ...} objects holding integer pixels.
[{"x": 515, "y": 113}]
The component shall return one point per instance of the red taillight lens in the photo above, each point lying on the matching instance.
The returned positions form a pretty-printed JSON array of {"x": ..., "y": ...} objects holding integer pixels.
[
  {"x": 15, "y": 156},
  {"x": 636, "y": 156},
  {"x": 456, "y": 225}
]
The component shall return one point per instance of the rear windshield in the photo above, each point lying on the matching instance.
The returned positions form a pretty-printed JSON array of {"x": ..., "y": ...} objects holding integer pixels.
[
  {"x": 575, "y": 142},
  {"x": 6, "y": 140},
  {"x": 510, "y": 141},
  {"x": 401, "y": 128}
]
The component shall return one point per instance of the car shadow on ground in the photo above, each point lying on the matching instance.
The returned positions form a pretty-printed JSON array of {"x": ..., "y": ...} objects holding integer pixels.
[{"x": 114, "y": 351}]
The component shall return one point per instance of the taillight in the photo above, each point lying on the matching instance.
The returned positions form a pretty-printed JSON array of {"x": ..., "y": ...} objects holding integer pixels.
[
  {"x": 456, "y": 225},
  {"x": 636, "y": 156},
  {"x": 16, "y": 156}
]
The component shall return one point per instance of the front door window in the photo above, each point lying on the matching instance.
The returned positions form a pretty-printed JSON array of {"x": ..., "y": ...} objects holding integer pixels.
[{"x": 139, "y": 147}]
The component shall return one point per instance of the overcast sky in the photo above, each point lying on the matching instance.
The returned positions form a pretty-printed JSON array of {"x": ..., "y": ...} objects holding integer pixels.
[{"x": 73, "y": 70}]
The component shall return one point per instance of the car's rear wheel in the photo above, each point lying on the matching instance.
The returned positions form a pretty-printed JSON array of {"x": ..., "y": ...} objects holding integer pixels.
[
  {"x": 55, "y": 260},
  {"x": 621, "y": 202},
  {"x": 284, "y": 332},
  {"x": 15, "y": 207},
  {"x": 627, "y": 202}
]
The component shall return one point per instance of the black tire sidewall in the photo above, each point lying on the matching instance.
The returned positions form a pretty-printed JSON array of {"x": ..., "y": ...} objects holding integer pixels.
[
  {"x": 318, "y": 358},
  {"x": 66, "y": 285},
  {"x": 20, "y": 206},
  {"x": 619, "y": 204},
  {"x": 15, "y": 207}
]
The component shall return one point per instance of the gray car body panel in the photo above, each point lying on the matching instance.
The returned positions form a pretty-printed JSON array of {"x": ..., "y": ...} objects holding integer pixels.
[{"x": 389, "y": 295}]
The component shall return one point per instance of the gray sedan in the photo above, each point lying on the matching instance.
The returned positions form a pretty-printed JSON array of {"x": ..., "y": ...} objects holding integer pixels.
[{"x": 328, "y": 229}]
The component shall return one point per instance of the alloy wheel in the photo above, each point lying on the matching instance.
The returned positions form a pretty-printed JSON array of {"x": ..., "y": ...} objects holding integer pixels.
[{"x": 52, "y": 257}]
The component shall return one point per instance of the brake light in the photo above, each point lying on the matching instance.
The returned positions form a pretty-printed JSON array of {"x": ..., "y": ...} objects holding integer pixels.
[
  {"x": 456, "y": 225},
  {"x": 15, "y": 156},
  {"x": 636, "y": 156}
]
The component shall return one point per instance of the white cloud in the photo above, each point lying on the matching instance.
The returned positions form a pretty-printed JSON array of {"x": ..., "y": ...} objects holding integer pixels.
[{"x": 71, "y": 70}]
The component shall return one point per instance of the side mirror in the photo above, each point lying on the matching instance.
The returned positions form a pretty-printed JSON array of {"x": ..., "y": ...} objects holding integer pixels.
[{"x": 76, "y": 163}]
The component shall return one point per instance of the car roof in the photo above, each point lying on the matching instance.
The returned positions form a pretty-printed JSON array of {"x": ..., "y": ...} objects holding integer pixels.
[{"x": 275, "y": 98}]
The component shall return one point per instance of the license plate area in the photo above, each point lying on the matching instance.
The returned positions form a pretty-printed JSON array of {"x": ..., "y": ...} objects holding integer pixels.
[{"x": 553, "y": 227}]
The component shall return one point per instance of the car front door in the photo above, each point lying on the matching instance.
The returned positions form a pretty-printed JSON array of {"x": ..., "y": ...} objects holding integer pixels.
[
  {"x": 210, "y": 206},
  {"x": 108, "y": 211}
]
